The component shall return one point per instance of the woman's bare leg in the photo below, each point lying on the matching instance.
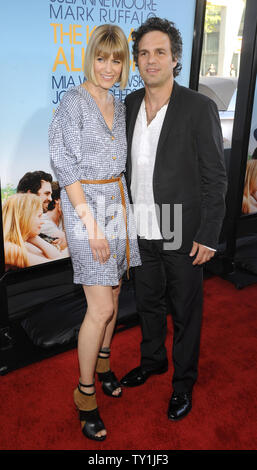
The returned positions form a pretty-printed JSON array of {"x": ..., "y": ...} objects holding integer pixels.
[
  {"x": 111, "y": 325},
  {"x": 92, "y": 332}
]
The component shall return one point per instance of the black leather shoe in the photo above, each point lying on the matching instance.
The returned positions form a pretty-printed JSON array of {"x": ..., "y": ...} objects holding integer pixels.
[
  {"x": 139, "y": 375},
  {"x": 180, "y": 405}
]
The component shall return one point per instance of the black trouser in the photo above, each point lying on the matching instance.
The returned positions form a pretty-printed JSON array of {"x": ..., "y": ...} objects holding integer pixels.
[{"x": 172, "y": 273}]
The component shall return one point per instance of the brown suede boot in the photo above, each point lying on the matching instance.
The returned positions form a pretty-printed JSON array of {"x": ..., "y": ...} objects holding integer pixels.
[{"x": 90, "y": 419}]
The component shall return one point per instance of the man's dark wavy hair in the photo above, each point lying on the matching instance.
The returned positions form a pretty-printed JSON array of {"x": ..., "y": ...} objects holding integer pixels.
[
  {"x": 31, "y": 181},
  {"x": 165, "y": 26}
]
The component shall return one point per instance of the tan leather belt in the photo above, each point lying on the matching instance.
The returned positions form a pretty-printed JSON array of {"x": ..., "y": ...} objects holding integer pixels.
[{"x": 123, "y": 202}]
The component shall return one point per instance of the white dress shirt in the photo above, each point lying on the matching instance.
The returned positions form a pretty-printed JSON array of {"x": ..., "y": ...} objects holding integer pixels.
[{"x": 143, "y": 153}]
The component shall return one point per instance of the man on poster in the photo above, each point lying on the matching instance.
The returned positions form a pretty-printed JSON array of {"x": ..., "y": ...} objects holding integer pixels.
[
  {"x": 39, "y": 183},
  {"x": 175, "y": 157}
]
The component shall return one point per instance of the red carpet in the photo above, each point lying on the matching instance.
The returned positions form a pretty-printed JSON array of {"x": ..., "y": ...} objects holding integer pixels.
[{"x": 37, "y": 411}]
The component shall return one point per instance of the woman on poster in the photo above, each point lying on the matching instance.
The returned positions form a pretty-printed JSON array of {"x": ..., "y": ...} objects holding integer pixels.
[
  {"x": 22, "y": 222},
  {"x": 249, "y": 205},
  {"x": 88, "y": 153}
]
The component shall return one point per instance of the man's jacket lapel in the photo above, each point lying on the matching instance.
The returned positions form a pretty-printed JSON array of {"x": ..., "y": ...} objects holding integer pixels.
[
  {"x": 170, "y": 118},
  {"x": 130, "y": 128}
]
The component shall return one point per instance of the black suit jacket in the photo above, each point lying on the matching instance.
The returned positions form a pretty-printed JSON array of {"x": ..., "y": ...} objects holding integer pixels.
[{"x": 189, "y": 166}]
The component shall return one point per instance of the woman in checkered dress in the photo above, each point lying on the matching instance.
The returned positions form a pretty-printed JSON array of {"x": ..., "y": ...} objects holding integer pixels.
[{"x": 87, "y": 140}]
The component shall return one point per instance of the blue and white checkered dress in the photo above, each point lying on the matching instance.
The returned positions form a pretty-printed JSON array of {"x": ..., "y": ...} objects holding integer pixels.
[{"x": 83, "y": 147}]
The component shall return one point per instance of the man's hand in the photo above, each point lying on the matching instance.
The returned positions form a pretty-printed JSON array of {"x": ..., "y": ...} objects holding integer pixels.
[{"x": 203, "y": 255}]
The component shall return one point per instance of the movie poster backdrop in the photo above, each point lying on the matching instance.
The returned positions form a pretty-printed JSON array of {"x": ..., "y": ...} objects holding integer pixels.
[
  {"x": 42, "y": 54},
  {"x": 249, "y": 203}
]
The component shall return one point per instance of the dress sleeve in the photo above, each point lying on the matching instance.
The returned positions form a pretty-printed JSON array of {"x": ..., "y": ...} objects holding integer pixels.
[{"x": 65, "y": 141}]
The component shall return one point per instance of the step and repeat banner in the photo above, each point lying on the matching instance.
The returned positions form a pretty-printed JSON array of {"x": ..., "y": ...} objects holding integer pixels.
[{"x": 43, "y": 43}]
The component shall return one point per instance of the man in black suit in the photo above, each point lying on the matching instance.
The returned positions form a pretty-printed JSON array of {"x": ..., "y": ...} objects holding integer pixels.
[{"x": 175, "y": 165}]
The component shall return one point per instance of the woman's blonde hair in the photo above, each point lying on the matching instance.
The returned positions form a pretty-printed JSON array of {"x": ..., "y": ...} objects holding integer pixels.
[
  {"x": 249, "y": 185},
  {"x": 18, "y": 211},
  {"x": 106, "y": 40}
]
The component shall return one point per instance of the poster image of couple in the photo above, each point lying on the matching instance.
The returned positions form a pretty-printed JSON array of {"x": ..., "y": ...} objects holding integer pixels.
[{"x": 33, "y": 222}]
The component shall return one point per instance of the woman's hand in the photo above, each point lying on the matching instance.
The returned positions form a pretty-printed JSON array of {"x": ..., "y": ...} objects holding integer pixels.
[
  {"x": 97, "y": 241},
  {"x": 100, "y": 247}
]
